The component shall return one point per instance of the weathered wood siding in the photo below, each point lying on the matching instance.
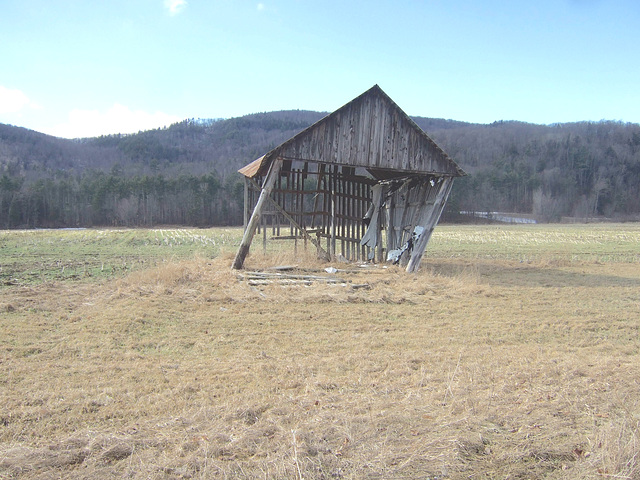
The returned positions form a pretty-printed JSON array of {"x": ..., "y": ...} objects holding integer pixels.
[
  {"x": 327, "y": 201},
  {"x": 320, "y": 184},
  {"x": 370, "y": 131}
]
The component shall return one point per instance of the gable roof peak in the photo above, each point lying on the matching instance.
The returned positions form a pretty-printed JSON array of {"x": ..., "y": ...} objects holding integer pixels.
[{"x": 370, "y": 131}]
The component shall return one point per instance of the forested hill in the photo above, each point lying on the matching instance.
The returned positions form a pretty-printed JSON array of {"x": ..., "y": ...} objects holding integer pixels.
[{"x": 186, "y": 174}]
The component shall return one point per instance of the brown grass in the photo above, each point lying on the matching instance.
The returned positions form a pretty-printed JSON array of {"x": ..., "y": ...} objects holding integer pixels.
[{"x": 468, "y": 369}]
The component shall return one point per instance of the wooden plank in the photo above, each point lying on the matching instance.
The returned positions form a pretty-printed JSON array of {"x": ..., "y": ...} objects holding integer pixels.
[
  {"x": 245, "y": 244},
  {"x": 263, "y": 220},
  {"x": 292, "y": 220},
  {"x": 245, "y": 210},
  {"x": 353, "y": 221},
  {"x": 299, "y": 202},
  {"x": 291, "y": 276},
  {"x": 390, "y": 207},
  {"x": 430, "y": 219},
  {"x": 316, "y": 200},
  {"x": 279, "y": 200},
  {"x": 364, "y": 132},
  {"x": 343, "y": 209},
  {"x": 288, "y": 237},
  {"x": 333, "y": 210}
]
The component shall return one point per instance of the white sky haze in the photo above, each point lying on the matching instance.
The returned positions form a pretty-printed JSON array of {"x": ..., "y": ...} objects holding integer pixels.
[{"x": 76, "y": 68}]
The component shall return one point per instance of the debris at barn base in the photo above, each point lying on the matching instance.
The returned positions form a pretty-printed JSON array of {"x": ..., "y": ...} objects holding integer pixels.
[
  {"x": 261, "y": 278},
  {"x": 394, "y": 256},
  {"x": 265, "y": 278}
]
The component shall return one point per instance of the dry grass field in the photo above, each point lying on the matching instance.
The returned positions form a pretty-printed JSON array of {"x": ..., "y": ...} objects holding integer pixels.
[{"x": 513, "y": 353}]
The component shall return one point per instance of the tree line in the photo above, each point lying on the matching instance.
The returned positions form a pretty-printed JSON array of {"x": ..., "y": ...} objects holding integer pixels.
[
  {"x": 186, "y": 174},
  {"x": 583, "y": 170},
  {"x": 113, "y": 199}
]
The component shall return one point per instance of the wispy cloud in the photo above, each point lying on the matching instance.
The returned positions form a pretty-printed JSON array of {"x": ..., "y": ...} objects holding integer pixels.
[
  {"x": 13, "y": 100},
  {"x": 117, "y": 119},
  {"x": 174, "y": 7}
]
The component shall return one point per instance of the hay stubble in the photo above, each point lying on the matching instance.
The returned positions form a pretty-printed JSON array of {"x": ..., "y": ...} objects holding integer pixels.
[{"x": 473, "y": 367}]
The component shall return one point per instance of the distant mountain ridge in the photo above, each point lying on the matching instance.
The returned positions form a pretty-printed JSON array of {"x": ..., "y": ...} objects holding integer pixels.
[{"x": 584, "y": 169}]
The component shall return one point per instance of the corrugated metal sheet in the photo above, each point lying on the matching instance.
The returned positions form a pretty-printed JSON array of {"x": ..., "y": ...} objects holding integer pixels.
[{"x": 371, "y": 131}]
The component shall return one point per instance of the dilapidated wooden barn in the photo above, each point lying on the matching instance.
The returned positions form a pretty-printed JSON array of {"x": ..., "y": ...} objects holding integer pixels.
[{"x": 363, "y": 183}]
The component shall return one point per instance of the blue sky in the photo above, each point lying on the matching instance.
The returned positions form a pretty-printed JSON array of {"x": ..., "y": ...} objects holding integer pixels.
[{"x": 76, "y": 68}]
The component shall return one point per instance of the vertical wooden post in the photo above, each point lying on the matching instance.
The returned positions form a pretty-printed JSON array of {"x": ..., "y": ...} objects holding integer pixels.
[
  {"x": 340, "y": 209},
  {"x": 428, "y": 220},
  {"x": 381, "y": 222},
  {"x": 379, "y": 249},
  {"x": 390, "y": 206},
  {"x": 332, "y": 250},
  {"x": 263, "y": 220},
  {"x": 294, "y": 208},
  {"x": 245, "y": 219},
  {"x": 269, "y": 182}
]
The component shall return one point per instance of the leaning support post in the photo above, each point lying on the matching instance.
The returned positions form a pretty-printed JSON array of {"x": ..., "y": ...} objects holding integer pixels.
[
  {"x": 249, "y": 232},
  {"x": 428, "y": 221},
  {"x": 245, "y": 210}
]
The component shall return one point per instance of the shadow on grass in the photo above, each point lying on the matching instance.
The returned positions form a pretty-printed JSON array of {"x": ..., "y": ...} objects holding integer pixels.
[{"x": 528, "y": 275}]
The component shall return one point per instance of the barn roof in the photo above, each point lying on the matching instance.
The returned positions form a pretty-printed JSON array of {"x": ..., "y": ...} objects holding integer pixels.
[{"x": 370, "y": 131}]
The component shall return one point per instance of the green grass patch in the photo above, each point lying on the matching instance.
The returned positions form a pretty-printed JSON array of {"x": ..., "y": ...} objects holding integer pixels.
[
  {"x": 584, "y": 242},
  {"x": 36, "y": 256}
]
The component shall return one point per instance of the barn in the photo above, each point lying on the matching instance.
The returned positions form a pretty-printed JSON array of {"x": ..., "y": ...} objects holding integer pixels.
[{"x": 364, "y": 183}]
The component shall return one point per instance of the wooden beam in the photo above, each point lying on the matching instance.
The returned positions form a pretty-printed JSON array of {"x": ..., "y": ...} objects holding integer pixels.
[
  {"x": 245, "y": 213},
  {"x": 296, "y": 225},
  {"x": 428, "y": 220},
  {"x": 333, "y": 222},
  {"x": 250, "y": 231}
]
